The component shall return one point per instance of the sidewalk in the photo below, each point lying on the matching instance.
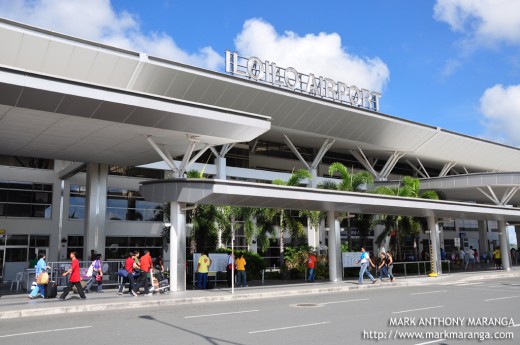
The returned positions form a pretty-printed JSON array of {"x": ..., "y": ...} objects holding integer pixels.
[{"x": 16, "y": 306}]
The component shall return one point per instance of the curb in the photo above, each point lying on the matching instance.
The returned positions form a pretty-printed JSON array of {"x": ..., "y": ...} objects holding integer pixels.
[{"x": 339, "y": 287}]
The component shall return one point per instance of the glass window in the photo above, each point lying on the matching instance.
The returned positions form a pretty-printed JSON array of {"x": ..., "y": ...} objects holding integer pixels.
[
  {"x": 118, "y": 246},
  {"x": 25, "y": 199},
  {"x": 17, "y": 240},
  {"x": 16, "y": 254},
  {"x": 123, "y": 204}
]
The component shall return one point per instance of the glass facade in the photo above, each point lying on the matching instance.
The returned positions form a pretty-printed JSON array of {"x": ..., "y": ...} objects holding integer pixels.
[
  {"x": 122, "y": 204},
  {"x": 118, "y": 246},
  {"x": 25, "y": 199}
]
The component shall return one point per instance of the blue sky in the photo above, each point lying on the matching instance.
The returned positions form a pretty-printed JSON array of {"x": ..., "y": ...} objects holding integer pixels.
[{"x": 454, "y": 64}]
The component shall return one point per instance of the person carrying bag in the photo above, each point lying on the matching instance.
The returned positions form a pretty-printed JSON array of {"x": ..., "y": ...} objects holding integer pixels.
[{"x": 42, "y": 277}]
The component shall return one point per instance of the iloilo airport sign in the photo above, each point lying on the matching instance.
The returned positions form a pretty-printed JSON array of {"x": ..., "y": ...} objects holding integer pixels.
[{"x": 289, "y": 78}]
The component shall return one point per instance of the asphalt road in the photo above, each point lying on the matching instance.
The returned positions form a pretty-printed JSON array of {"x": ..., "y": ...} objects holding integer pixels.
[{"x": 455, "y": 313}]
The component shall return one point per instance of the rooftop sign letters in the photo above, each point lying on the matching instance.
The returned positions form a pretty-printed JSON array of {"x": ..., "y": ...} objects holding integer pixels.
[{"x": 289, "y": 78}]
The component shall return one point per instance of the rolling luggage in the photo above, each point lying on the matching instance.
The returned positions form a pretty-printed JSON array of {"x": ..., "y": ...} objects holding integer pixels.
[{"x": 51, "y": 290}]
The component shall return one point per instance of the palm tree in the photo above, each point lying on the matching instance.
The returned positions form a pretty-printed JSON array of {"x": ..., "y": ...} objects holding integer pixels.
[
  {"x": 404, "y": 225},
  {"x": 287, "y": 223},
  {"x": 351, "y": 182}
]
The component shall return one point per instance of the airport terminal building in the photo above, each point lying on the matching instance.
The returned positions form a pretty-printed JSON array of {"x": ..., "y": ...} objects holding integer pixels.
[{"x": 83, "y": 125}]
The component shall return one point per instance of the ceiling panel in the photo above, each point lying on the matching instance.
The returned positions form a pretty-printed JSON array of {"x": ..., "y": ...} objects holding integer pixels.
[
  {"x": 102, "y": 68},
  {"x": 181, "y": 81},
  {"x": 78, "y": 106},
  {"x": 145, "y": 77},
  {"x": 39, "y": 100},
  {"x": 114, "y": 112},
  {"x": 122, "y": 72},
  {"x": 162, "y": 81},
  {"x": 9, "y": 94}
]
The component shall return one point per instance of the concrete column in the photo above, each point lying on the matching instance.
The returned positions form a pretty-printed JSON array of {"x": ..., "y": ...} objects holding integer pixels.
[
  {"x": 334, "y": 248},
  {"x": 313, "y": 183},
  {"x": 482, "y": 237},
  {"x": 177, "y": 247},
  {"x": 220, "y": 164},
  {"x": 95, "y": 209},
  {"x": 434, "y": 242},
  {"x": 504, "y": 245},
  {"x": 312, "y": 235}
]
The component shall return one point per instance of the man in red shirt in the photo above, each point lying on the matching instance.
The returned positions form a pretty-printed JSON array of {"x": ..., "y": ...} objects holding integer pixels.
[
  {"x": 74, "y": 280},
  {"x": 146, "y": 264},
  {"x": 129, "y": 267},
  {"x": 311, "y": 264}
]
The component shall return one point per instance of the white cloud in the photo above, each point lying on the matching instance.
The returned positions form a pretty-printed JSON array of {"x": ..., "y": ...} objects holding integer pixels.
[
  {"x": 320, "y": 54},
  {"x": 96, "y": 20},
  {"x": 485, "y": 21},
  {"x": 501, "y": 108}
]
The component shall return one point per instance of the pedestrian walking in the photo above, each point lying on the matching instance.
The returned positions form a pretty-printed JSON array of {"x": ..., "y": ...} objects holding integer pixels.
[
  {"x": 383, "y": 266},
  {"x": 364, "y": 260},
  {"x": 74, "y": 279},
  {"x": 202, "y": 270},
  {"x": 41, "y": 267},
  {"x": 390, "y": 265},
  {"x": 97, "y": 275}
]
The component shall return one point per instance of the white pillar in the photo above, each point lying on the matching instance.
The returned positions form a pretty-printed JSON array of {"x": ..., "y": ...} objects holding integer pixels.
[
  {"x": 334, "y": 248},
  {"x": 95, "y": 209},
  {"x": 177, "y": 247},
  {"x": 220, "y": 164},
  {"x": 504, "y": 245},
  {"x": 434, "y": 242},
  {"x": 312, "y": 235}
]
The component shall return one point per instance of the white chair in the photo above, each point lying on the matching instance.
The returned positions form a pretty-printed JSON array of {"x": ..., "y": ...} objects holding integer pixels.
[{"x": 17, "y": 281}]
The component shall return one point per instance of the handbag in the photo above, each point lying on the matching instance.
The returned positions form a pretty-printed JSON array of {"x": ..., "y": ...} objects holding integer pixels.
[
  {"x": 99, "y": 277},
  {"x": 43, "y": 278},
  {"x": 122, "y": 273},
  {"x": 90, "y": 270}
]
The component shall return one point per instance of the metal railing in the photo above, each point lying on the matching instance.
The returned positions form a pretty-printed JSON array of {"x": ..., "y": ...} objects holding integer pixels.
[
  {"x": 110, "y": 268},
  {"x": 426, "y": 265}
]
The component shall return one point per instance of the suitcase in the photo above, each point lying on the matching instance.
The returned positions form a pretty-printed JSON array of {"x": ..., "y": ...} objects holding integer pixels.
[{"x": 51, "y": 290}]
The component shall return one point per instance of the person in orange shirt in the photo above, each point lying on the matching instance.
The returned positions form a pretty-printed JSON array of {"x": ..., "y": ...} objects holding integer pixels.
[
  {"x": 311, "y": 264},
  {"x": 241, "y": 270}
]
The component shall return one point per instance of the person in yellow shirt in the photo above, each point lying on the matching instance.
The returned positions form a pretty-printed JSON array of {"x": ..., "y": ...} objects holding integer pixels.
[
  {"x": 241, "y": 271},
  {"x": 202, "y": 270},
  {"x": 498, "y": 258}
]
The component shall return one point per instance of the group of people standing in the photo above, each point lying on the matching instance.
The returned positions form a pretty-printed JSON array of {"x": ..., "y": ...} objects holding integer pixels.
[
  {"x": 137, "y": 272},
  {"x": 384, "y": 265},
  {"x": 237, "y": 265}
]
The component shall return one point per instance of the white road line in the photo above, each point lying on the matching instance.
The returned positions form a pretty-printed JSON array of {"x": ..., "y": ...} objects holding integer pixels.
[
  {"x": 290, "y": 327},
  {"x": 407, "y": 311},
  {"x": 424, "y": 293},
  {"x": 499, "y": 298},
  {"x": 348, "y": 301},
  {"x": 467, "y": 284},
  {"x": 45, "y": 331},
  {"x": 431, "y": 342},
  {"x": 208, "y": 315}
]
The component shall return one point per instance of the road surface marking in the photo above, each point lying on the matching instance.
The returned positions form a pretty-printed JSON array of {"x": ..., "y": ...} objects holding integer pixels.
[
  {"x": 424, "y": 293},
  {"x": 407, "y": 311},
  {"x": 233, "y": 312},
  {"x": 499, "y": 298},
  {"x": 289, "y": 327},
  {"x": 45, "y": 331},
  {"x": 348, "y": 301},
  {"x": 467, "y": 284}
]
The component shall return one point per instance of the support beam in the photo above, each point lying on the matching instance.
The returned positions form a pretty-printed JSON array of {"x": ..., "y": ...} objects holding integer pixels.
[
  {"x": 387, "y": 169},
  {"x": 446, "y": 169},
  {"x": 313, "y": 168},
  {"x": 71, "y": 170},
  {"x": 295, "y": 151},
  {"x": 193, "y": 141},
  {"x": 177, "y": 247},
  {"x": 422, "y": 172},
  {"x": 220, "y": 160},
  {"x": 166, "y": 157}
]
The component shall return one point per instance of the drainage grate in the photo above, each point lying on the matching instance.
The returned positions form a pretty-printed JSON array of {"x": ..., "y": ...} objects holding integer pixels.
[{"x": 306, "y": 305}]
